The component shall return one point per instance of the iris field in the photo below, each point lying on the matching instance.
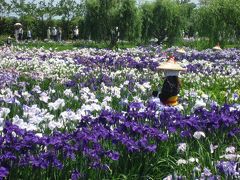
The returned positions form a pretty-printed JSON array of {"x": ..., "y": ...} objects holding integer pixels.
[{"x": 88, "y": 114}]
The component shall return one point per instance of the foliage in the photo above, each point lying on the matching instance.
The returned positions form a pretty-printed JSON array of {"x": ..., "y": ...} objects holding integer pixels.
[
  {"x": 102, "y": 16},
  {"x": 166, "y": 21},
  {"x": 4, "y": 7},
  {"x": 219, "y": 20},
  {"x": 147, "y": 20},
  {"x": 67, "y": 10},
  {"x": 199, "y": 44},
  {"x": 128, "y": 20},
  {"x": 69, "y": 45},
  {"x": 186, "y": 12}
]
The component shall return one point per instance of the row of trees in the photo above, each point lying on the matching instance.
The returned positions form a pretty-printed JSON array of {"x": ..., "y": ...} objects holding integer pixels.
[{"x": 165, "y": 20}]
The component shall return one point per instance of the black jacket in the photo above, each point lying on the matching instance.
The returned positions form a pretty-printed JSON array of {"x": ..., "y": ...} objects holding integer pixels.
[{"x": 171, "y": 87}]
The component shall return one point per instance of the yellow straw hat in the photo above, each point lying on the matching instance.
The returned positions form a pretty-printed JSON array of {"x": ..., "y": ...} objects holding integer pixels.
[
  {"x": 17, "y": 24},
  {"x": 171, "y": 64},
  {"x": 217, "y": 47},
  {"x": 181, "y": 50}
]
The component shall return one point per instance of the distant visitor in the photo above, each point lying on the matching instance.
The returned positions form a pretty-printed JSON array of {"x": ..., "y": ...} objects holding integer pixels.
[
  {"x": 75, "y": 33},
  {"x": 171, "y": 86},
  {"x": 217, "y": 47},
  {"x": 9, "y": 41}
]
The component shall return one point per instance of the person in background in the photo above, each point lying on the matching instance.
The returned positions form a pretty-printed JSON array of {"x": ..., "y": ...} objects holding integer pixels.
[
  {"x": 217, "y": 48},
  {"x": 16, "y": 35},
  {"x": 20, "y": 34},
  {"x": 59, "y": 34},
  {"x": 75, "y": 33},
  {"x": 29, "y": 35},
  {"x": 9, "y": 41},
  {"x": 115, "y": 34},
  {"x": 54, "y": 34},
  {"x": 180, "y": 53},
  {"x": 49, "y": 33},
  {"x": 171, "y": 86}
]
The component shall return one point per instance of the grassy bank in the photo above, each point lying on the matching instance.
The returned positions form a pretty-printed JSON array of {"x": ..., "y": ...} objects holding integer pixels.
[
  {"x": 199, "y": 44},
  {"x": 68, "y": 45}
]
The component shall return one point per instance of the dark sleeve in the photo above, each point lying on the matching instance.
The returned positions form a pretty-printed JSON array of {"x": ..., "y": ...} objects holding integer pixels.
[{"x": 170, "y": 88}]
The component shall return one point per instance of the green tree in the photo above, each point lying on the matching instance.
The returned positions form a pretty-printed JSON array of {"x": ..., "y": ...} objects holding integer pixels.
[
  {"x": 92, "y": 19},
  {"x": 166, "y": 21},
  {"x": 204, "y": 2},
  {"x": 99, "y": 18},
  {"x": 147, "y": 21},
  {"x": 26, "y": 10},
  {"x": 67, "y": 10},
  {"x": 183, "y": 1},
  {"x": 41, "y": 12},
  {"x": 186, "y": 12},
  {"x": 128, "y": 20},
  {"x": 4, "y": 8},
  {"x": 219, "y": 20}
]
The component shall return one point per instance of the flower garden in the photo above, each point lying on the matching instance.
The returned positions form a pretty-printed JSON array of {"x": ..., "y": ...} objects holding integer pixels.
[{"x": 89, "y": 114}]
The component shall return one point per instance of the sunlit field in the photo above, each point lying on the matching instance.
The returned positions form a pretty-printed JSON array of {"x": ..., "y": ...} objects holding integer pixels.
[{"x": 89, "y": 114}]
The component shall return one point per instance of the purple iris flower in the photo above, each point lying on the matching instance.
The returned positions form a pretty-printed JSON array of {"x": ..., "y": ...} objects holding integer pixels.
[
  {"x": 75, "y": 175},
  {"x": 3, "y": 172}
]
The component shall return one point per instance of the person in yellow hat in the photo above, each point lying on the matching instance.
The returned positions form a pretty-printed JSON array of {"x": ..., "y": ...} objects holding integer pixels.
[
  {"x": 217, "y": 48},
  {"x": 171, "y": 86},
  {"x": 181, "y": 51},
  {"x": 9, "y": 41}
]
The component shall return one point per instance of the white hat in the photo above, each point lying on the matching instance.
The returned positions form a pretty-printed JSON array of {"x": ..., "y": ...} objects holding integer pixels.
[
  {"x": 217, "y": 47},
  {"x": 181, "y": 50},
  {"x": 171, "y": 64},
  {"x": 17, "y": 24}
]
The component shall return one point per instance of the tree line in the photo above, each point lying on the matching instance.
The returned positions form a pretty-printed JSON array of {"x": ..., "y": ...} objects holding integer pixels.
[{"x": 164, "y": 20}]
